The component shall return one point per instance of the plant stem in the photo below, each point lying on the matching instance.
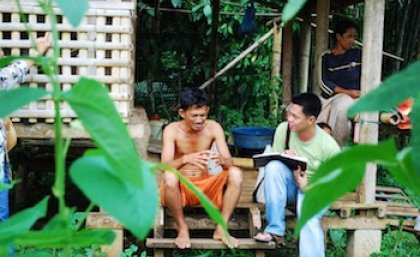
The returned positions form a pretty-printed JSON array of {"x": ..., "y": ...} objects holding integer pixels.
[{"x": 60, "y": 150}]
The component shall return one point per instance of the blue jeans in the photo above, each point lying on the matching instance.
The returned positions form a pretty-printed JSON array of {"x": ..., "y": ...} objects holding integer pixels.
[
  {"x": 280, "y": 190},
  {"x": 4, "y": 199},
  {"x": 4, "y": 206}
]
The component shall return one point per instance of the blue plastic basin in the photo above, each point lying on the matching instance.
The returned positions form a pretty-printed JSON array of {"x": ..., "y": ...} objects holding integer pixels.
[{"x": 252, "y": 137}]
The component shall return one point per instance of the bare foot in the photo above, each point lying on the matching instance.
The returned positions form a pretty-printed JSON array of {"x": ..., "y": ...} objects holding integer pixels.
[
  {"x": 182, "y": 241},
  {"x": 226, "y": 238}
]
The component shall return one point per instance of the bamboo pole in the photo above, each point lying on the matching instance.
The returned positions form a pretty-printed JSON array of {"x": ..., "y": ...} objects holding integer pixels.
[
  {"x": 275, "y": 70},
  {"x": 238, "y": 58},
  {"x": 322, "y": 10},
  {"x": 287, "y": 64},
  {"x": 305, "y": 46}
]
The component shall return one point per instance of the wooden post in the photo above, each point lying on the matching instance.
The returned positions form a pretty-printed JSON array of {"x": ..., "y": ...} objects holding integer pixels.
[
  {"x": 371, "y": 78},
  {"x": 287, "y": 64},
  {"x": 322, "y": 21},
  {"x": 364, "y": 242},
  {"x": 305, "y": 48},
  {"x": 275, "y": 70}
]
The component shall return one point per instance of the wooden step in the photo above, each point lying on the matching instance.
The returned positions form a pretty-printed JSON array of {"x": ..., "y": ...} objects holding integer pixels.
[{"x": 204, "y": 243}]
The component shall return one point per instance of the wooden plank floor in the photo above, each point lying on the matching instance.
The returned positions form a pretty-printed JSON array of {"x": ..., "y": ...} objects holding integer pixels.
[{"x": 200, "y": 243}]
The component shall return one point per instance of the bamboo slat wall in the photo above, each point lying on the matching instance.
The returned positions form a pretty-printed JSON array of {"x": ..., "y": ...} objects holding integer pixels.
[{"x": 102, "y": 47}]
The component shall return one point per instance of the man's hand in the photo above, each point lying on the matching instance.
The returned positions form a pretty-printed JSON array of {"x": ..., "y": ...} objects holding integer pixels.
[
  {"x": 353, "y": 93},
  {"x": 216, "y": 157},
  {"x": 291, "y": 153},
  {"x": 199, "y": 159},
  {"x": 11, "y": 136},
  {"x": 301, "y": 178},
  {"x": 44, "y": 43}
]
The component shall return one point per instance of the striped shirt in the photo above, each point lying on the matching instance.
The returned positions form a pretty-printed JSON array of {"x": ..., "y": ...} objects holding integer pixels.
[
  {"x": 340, "y": 70},
  {"x": 15, "y": 73}
]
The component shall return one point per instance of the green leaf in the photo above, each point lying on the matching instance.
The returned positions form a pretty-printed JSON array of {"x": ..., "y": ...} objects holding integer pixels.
[
  {"x": 4, "y": 186},
  {"x": 415, "y": 133},
  {"x": 176, "y": 3},
  {"x": 195, "y": 8},
  {"x": 291, "y": 9},
  {"x": 405, "y": 172},
  {"x": 212, "y": 210},
  {"x": 11, "y": 100},
  {"x": 36, "y": 254},
  {"x": 345, "y": 169},
  {"x": 91, "y": 101},
  {"x": 207, "y": 11},
  {"x": 134, "y": 207},
  {"x": 63, "y": 238},
  {"x": 4, "y": 61},
  {"x": 394, "y": 89},
  {"x": 21, "y": 222},
  {"x": 74, "y": 10}
]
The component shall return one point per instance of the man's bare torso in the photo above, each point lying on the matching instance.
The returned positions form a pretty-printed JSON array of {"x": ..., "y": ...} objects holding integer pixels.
[{"x": 192, "y": 142}]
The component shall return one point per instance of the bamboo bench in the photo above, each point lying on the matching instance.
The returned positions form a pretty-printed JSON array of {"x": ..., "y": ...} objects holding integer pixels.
[{"x": 246, "y": 218}]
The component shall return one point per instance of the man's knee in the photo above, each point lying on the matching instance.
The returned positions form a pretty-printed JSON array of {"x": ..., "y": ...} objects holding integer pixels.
[
  {"x": 274, "y": 168},
  {"x": 235, "y": 176},
  {"x": 170, "y": 180},
  {"x": 343, "y": 102}
]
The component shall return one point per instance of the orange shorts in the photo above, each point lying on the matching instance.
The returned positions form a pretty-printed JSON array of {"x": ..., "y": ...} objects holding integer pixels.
[{"x": 212, "y": 186}]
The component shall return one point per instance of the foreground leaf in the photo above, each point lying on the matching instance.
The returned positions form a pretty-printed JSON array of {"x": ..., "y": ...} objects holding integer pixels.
[
  {"x": 291, "y": 8},
  {"x": 11, "y": 100},
  {"x": 405, "y": 173},
  {"x": 36, "y": 254},
  {"x": 394, "y": 89},
  {"x": 74, "y": 10},
  {"x": 21, "y": 222},
  {"x": 4, "y": 61},
  {"x": 341, "y": 174},
  {"x": 4, "y": 186},
  {"x": 91, "y": 101},
  {"x": 415, "y": 133},
  {"x": 134, "y": 207},
  {"x": 210, "y": 208},
  {"x": 64, "y": 238}
]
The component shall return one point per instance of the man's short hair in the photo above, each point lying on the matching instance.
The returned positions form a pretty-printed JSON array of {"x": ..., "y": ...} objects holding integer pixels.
[
  {"x": 311, "y": 105},
  {"x": 324, "y": 125},
  {"x": 192, "y": 97},
  {"x": 343, "y": 25}
]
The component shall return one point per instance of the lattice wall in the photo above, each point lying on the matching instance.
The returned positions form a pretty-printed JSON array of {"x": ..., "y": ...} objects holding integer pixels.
[{"x": 101, "y": 47}]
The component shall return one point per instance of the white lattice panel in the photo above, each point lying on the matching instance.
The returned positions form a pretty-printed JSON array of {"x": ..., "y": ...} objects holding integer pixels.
[{"x": 102, "y": 48}]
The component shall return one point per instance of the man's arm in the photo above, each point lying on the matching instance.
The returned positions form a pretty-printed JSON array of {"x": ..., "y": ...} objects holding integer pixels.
[
  {"x": 18, "y": 71},
  {"x": 168, "y": 148},
  {"x": 225, "y": 159},
  {"x": 11, "y": 137}
]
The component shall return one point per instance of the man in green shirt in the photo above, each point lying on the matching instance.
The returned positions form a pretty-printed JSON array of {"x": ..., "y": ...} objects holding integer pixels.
[{"x": 283, "y": 186}]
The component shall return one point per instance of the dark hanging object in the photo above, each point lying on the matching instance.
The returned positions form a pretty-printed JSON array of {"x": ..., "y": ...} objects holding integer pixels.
[{"x": 248, "y": 23}]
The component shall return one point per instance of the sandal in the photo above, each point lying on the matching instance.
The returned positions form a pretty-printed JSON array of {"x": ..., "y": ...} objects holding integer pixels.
[{"x": 265, "y": 237}]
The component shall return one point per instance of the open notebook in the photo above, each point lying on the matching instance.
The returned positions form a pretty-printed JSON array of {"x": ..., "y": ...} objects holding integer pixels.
[{"x": 290, "y": 161}]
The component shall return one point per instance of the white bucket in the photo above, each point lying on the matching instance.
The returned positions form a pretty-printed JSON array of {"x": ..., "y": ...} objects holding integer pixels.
[{"x": 156, "y": 127}]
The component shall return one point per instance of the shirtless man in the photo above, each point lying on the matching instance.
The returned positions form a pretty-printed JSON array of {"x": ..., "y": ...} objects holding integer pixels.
[{"x": 186, "y": 147}]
